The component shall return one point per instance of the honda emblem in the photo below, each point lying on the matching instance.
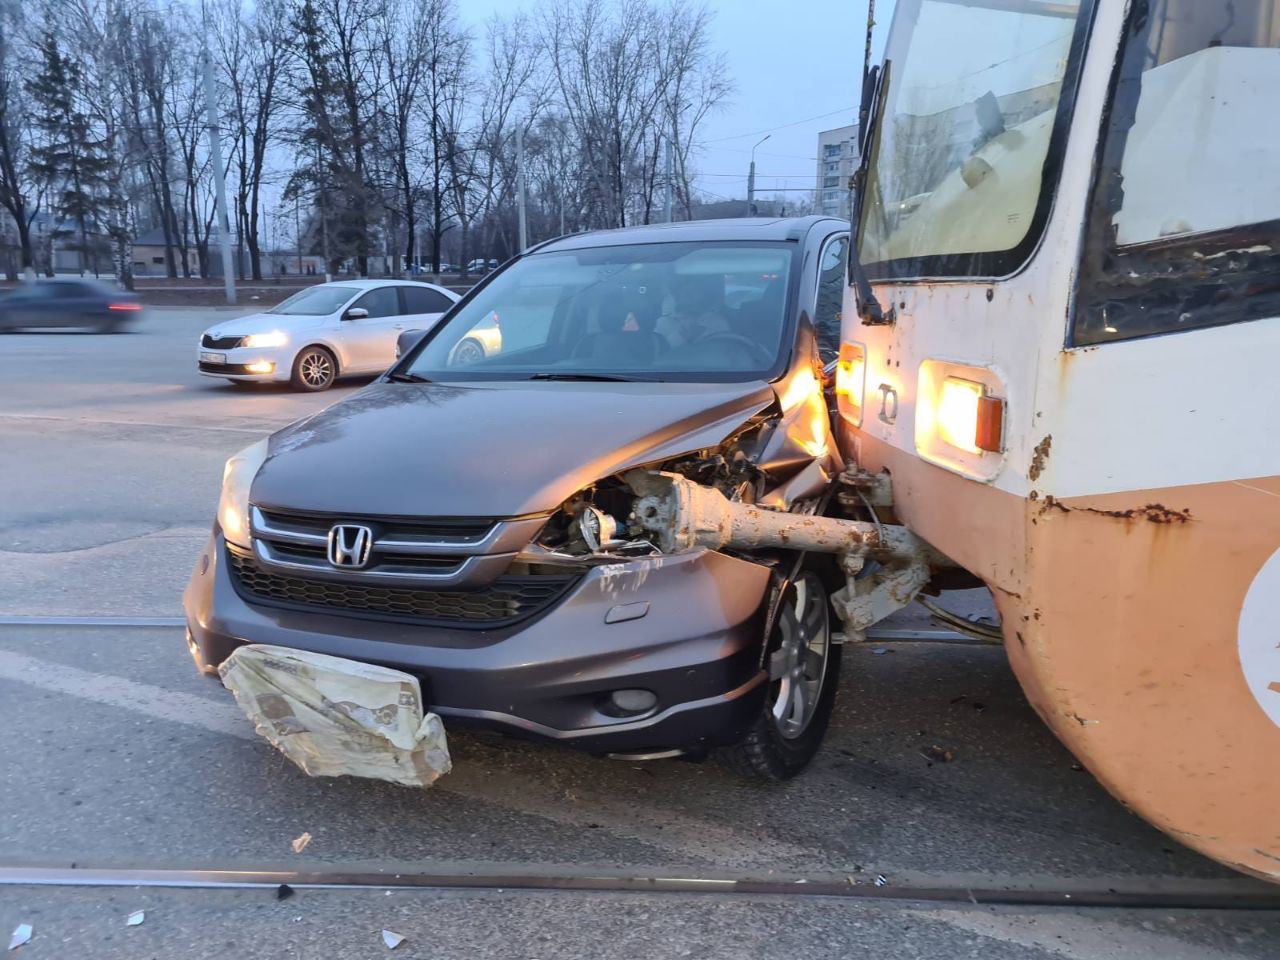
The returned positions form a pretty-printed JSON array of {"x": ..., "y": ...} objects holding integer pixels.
[{"x": 349, "y": 546}]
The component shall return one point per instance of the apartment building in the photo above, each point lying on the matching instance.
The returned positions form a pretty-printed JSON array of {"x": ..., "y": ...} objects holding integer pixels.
[{"x": 837, "y": 159}]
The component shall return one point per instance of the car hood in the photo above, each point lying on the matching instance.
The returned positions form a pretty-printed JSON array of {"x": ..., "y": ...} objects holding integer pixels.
[
  {"x": 262, "y": 323},
  {"x": 491, "y": 450}
]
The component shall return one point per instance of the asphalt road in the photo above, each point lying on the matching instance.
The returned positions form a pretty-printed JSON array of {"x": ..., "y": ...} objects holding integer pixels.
[{"x": 116, "y": 754}]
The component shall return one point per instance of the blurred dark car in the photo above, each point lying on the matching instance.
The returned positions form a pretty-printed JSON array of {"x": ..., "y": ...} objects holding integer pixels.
[{"x": 73, "y": 302}]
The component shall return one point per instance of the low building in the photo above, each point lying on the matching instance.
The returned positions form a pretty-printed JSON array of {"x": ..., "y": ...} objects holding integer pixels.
[{"x": 149, "y": 258}]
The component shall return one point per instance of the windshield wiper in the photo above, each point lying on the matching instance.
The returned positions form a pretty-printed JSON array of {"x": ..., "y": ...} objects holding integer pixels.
[
  {"x": 406, "y": 378},
  {"x": 875, "y": 86},
  {"x": 584, "y": 377}
]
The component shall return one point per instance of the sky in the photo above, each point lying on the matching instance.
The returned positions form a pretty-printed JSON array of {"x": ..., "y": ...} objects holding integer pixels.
[{"x": 797, "y": 69}]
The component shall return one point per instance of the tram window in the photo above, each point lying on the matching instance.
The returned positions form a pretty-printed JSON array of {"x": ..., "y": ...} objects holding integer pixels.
[
  {"x": 966, "y": 152},
  {"x": 1184, "y": 223}
]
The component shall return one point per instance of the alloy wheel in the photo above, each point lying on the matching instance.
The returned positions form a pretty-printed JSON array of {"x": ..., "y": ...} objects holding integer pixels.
[
  {"x": 798, "y": 666},
  {"x": 316, "y": 369}
]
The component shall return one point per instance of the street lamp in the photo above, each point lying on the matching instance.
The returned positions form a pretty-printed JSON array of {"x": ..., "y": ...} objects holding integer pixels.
[{"x": 751, "y": 178}]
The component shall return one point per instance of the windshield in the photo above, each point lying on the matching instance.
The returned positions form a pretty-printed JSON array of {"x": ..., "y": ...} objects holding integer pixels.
[
  {"x": 712, "y": 311},
  {"x": 315, "y": 301},
  {"x": 962, "y": 167}
]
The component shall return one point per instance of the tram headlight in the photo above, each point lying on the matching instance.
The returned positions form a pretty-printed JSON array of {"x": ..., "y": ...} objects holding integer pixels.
[
  {"x": 968, "y": 418},
  {"x": 851, "y": 381}
]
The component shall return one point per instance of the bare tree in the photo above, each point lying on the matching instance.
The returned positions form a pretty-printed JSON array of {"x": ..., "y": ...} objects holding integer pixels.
[
  {"x": 405, "y": 42},
  {"x": 15, "y": 185},
  {"x": 254, "y": 55},
  {"x": 148, "y": 79},
  {"x": 698, "y": 84},
  {"x": 608, "y": 64}
]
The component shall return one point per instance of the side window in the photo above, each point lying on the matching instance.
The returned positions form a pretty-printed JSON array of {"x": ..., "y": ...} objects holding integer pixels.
[
  {"x": 424, "y": 300},
  {"x": 830, "y": 303},
  {"x": 380, "y": 302},
  {"x": 1184, "y": 219}
]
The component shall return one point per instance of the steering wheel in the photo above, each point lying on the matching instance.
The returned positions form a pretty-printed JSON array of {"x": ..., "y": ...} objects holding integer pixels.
[{"x": 758, "y": 352}]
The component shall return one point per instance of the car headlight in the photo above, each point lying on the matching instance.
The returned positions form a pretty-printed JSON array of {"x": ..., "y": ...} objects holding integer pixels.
[
  {"x": 257, "y": 341},
  {"x": 233, "y": 505}
]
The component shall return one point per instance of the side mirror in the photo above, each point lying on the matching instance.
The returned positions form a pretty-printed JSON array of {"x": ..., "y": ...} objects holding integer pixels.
[
  {"x": 356, "y": 313},
  {"x": 407, "y": 341}
]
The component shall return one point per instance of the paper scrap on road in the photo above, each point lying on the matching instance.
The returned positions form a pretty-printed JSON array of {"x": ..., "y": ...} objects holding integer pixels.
[
  {"x": 300, "y": 843},
  {"x": 21, "y": 934},
  {"x": 391, "y": 939},
  {"x": 336, "y": 717},
  {"x": 135, "y": 919}
]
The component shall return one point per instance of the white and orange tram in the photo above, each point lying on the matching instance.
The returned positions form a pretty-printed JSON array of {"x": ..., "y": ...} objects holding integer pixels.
[{"x": 1070, "y": 370}]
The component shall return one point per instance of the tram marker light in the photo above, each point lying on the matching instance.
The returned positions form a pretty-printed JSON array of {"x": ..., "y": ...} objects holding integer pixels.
[{"x": 968, "y": 418}]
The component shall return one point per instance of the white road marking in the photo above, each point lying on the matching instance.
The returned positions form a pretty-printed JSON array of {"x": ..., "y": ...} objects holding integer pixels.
[
  {"x": 690, "y": 838},
  {"x": 113, "y": 691},
  {"x": 256, "y": 431}
]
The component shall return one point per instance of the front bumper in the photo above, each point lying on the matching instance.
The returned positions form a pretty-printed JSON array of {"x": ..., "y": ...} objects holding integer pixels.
[
  {"x": 698, "y": 648},
  {"x": 238, "y": 359}
]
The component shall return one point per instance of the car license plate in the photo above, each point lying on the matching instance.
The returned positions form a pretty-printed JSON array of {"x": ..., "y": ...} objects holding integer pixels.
[{"x": 213, "y": 358}]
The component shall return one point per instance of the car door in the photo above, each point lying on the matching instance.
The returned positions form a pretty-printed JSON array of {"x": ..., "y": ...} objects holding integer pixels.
[
  {"x": 422, "y": 306},
  {"x": 370, "y": 342},
  {"x": 40, "y": 306},
  {"x": 72, "y": 304}
]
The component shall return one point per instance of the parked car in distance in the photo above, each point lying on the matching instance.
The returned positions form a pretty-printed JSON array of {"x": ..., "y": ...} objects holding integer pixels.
[
  {"x": 321, "y": 333},
  {"x": 476, "y": 518},
  {"x": 480, "y": 265},
  {"x": 68, "y": 302}
]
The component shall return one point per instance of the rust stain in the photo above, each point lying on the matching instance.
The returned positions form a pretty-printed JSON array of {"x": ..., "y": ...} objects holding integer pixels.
[
  {"x": 1274, "y": 687},
  {"x": 1051, "y": 503},
  {"x": 1039, "y": 456},
  {"x": 1152, "y": 512}
]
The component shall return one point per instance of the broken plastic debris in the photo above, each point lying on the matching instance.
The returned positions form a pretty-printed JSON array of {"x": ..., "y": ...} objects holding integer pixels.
[
  {"x": 135, "y": 919},
  {"x": 391, "y": 939},
  {"x": 881, "y": 880},
  {"x": 300, "y": 843},
  {"x": 21, "y": 934},
  {"x": 336, "y": 717},
  {"x": 880, "y": 651},
  {"x": 940, "y": 754}
]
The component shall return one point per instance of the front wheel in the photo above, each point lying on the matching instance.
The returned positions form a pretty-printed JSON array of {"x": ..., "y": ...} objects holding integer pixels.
[
  {"x": 804, "y": 671},
  {"x": 467, "y": 352},
  {"x": 314, "y": 369}
]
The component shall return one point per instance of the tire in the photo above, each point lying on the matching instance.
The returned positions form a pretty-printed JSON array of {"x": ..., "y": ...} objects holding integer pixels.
[
  {"x": 107, "y": 325},
  {"x": 797, "y": 708},
  {"x": 467, "y": 352},
  {"x": 314, "y": 369}
]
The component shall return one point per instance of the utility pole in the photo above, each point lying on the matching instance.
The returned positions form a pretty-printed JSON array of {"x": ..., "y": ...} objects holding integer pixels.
[
  {"x": 520, "y": 200},
  {"x": 751, "y": 178},
  {"x": 667, "y": 174},
  {"x": 219, "y": 179}
]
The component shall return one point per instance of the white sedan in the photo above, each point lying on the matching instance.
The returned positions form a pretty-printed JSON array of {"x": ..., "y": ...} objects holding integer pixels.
[{"x": 323, "y": 332}]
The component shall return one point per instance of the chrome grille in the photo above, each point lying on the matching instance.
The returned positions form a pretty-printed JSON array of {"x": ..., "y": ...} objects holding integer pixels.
[
  {"x": 405, "y": 552},
  {"x": 503, "y": 602}
]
